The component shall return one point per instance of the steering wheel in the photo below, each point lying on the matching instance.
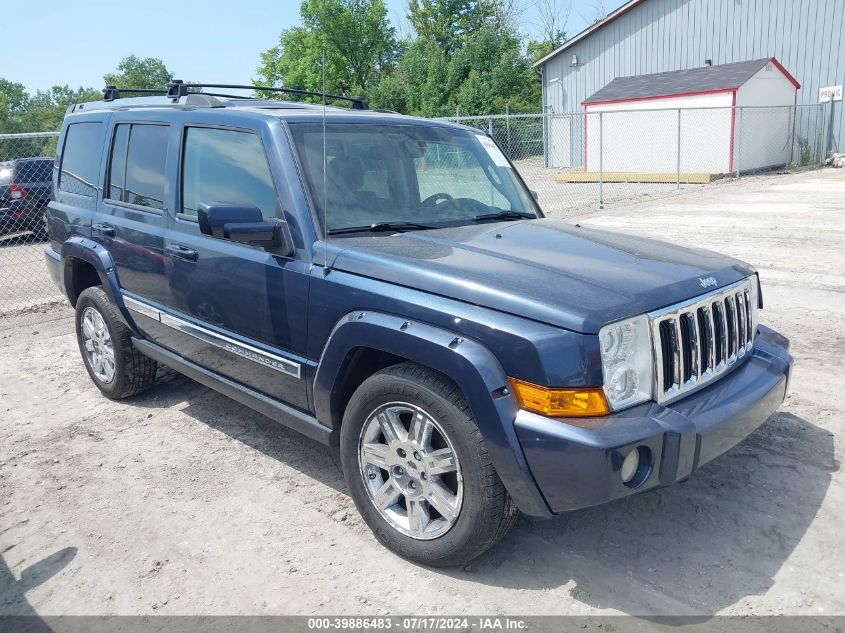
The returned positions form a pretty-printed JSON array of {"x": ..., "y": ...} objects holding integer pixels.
[{"x": 436, "y": 198}]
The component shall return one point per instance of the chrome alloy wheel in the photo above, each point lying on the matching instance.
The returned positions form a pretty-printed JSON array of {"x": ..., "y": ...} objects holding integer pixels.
[
  {"x": 98, "y": 345},
  {"x": 410, "y": 470}
]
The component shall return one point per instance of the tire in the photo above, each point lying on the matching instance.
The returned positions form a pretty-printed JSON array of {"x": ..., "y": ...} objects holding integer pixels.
[
  {"x": 129, "y": 372},
  {"x": 452, "y": 529}
]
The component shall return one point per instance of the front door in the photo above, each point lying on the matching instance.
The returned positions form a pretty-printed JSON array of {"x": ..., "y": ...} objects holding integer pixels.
[{"x": 238, "y": 310}]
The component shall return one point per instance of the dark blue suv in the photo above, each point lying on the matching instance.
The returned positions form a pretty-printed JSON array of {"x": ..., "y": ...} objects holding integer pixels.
[{"x": 389, "y": 286}]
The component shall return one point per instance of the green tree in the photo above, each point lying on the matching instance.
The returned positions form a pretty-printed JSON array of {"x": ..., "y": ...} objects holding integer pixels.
[
  {"x": 134, "y": 72},
  {"x": 537, "y": 49},
  {"x": 13, "y": 100},
  {"x": 483, "y": 74},
  {"x": 424, "y": 71},
  {"x": 443, "y": 21},
  {"x": 351, "y": 39},
  {"x": 39, "y": 112},
  {"x": 490, "y": 71},
  {"x": 464, "y": 54},
  {"x": 14, "y": 96},
  {"x": 391, "y": 93},
  {"x": 552, "y": 23},
  {"x": 46, "y": 108}
]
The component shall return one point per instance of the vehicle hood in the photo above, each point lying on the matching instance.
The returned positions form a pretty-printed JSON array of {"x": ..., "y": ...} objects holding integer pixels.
[{"x": 546, "y": 270}]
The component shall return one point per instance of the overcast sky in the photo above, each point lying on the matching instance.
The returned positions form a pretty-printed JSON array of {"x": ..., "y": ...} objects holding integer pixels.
[{"x": 76, "y": 43}]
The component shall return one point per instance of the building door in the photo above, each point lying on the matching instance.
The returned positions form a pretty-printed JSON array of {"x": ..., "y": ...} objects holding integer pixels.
[{"x": 560, "y": 140}]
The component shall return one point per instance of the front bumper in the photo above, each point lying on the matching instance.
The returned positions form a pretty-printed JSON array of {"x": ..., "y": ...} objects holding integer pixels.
[{"x": 577, "y": 463}]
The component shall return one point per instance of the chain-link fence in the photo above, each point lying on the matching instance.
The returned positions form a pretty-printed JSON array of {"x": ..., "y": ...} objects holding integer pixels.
[
  {"x": 575, "y": 162},
  {"x": 581, "y": 161},
  {"x": 26, "y": 172}
]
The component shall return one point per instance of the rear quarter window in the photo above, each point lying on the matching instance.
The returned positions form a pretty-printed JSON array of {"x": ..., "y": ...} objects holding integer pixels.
[{"x": 81, "y": 158}]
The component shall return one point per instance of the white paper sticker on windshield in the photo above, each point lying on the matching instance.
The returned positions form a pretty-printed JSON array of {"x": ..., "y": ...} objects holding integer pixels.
[{"x": 493, "y": 150}]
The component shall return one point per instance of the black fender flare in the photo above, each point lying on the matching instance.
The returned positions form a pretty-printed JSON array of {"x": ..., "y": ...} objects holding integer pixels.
[
  {"x": 473, "y": 367},
  {"x": 90, "y": 252}
]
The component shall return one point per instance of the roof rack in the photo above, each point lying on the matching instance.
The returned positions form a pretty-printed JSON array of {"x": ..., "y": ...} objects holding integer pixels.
[
  {"x": 110, "y": 93},
  {"x": 178, "y": 88}
]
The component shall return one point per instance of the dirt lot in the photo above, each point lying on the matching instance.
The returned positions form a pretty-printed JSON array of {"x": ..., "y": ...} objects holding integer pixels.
[{"x": 183, "y": 502}]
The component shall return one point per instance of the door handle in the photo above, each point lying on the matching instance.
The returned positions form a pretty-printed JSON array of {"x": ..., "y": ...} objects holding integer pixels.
[
  {"x": 181, "y": 252},
  {"x": 103, "y": 229}
]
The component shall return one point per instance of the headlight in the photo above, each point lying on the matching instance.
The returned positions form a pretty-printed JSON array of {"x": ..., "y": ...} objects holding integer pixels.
[{"x": 626, "y": 360}]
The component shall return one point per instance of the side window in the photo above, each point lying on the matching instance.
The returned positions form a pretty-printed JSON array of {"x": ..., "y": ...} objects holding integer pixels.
[
  {"x": 225, "y": 166},
  {"x": 136, "y": 168},
  {"x": 81, "y": 158},
  {"x": 117, "y": 165}
]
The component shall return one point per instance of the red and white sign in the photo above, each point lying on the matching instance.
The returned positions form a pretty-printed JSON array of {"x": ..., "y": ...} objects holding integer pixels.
[{"x": 830, "y": 93}]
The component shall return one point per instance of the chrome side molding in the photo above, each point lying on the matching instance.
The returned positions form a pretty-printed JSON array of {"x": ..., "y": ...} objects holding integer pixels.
[{"x": 222, "y": 341}]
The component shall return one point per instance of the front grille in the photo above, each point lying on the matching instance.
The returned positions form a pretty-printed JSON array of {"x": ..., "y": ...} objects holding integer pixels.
[{"x": 698, "y": 340}]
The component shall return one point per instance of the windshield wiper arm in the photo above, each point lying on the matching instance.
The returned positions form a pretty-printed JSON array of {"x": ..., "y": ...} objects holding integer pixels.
[
  {"x": 503, "y": 215},
  {"x": 379, "y": 227}
]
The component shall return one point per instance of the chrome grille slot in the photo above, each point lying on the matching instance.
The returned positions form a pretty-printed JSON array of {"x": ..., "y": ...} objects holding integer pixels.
[
  {"x": 748, "y": 312},
  {"x": 706, "y": 358},
  {"x": 690, "y": 346},
  {"x": 721, "y": 333},
  {"x": 669, "y": 350},
  {"x": 730, "y": 315},
  {"x": 697, "y": 340}
]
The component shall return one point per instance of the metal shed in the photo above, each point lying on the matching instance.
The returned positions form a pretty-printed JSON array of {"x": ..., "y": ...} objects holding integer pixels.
[
  {"x": 643, "y": 37},
  {"x": 706, "y": 118}
]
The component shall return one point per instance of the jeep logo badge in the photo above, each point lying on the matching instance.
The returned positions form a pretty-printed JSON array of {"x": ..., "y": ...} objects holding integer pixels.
[{"x": 708, "y": 282}]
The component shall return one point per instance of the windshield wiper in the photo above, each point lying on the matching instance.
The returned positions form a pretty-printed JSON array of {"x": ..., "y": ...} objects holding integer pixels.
[
  {"x": 379, "y": 227},
  {"x": 503, "y": 215}
]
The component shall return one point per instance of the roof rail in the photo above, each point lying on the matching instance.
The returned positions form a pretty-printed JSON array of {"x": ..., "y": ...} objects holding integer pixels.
[
  {"x": 110, "y": 93},
  {"x": 178, "y": 88}
]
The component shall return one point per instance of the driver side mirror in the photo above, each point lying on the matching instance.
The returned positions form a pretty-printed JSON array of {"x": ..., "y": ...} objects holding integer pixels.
[
  {"x": 535, "y": 195},
  {"x": 242, "y": 222}
]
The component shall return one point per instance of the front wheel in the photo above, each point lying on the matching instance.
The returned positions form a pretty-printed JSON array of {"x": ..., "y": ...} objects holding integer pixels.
[{"x": 418, "y": 470}]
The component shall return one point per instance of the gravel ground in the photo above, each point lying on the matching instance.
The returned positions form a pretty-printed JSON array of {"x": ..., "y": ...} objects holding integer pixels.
[{"x": 181, "y": 501}]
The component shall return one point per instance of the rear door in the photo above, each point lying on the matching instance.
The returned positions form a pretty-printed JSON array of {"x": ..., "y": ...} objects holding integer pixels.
[
  {"x": 78, "y": 185},
  {"x": 235, "y": 309},
  {"x": 131, "y": 221}
]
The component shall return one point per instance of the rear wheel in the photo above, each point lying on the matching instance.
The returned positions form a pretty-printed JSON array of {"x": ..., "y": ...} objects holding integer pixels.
[
  {"x": 116, "y": 367},
  {"x": 418, "y": 470}
]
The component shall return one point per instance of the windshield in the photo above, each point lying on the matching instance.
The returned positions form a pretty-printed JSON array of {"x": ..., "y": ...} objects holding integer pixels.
[{"x": 418, "y": 175}]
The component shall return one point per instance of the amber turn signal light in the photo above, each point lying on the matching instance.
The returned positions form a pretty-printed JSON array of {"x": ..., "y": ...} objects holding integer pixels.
[{"x": 559, "y": 402}]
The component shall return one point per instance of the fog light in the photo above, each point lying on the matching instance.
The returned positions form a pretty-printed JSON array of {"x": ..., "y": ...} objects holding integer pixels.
[{"x": 630, "y": 466}]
